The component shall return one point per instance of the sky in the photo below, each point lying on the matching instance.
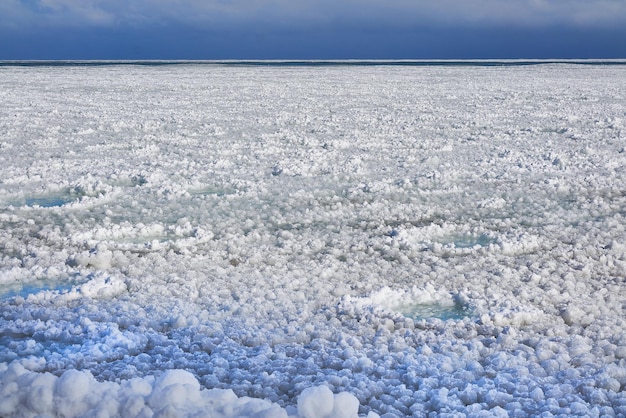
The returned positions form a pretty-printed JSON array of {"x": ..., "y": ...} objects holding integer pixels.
[{"x": 311, "y": 29}]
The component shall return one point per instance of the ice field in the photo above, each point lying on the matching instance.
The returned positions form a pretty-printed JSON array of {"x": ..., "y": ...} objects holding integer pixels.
[{"x": 313, "y": 240}]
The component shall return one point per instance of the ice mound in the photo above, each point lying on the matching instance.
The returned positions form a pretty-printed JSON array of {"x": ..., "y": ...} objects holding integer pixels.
[{"x": 176, "y": 393}]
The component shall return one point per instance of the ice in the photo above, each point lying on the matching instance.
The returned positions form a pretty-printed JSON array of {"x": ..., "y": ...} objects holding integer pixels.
[
  {"x": 174, "y": 389},
  {"x": 175, "y": 393},
  {"x": 319, "y": 402},
  {"x": 316, "y": 402},
  {"x": 76, "y": 393},
  {"x": 345, "y": 405},
  {"x": 332, "y": 241}
]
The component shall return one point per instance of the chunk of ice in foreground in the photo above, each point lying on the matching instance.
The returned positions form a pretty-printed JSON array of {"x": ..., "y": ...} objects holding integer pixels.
[{"x": 76, "y": 393}]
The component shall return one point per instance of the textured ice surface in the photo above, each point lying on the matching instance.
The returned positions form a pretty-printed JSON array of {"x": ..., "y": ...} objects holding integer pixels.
[{"x": 284, "y": 241}]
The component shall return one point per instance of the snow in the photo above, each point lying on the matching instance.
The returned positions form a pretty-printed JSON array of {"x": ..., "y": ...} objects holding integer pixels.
[{"x": 312, "y": 241}]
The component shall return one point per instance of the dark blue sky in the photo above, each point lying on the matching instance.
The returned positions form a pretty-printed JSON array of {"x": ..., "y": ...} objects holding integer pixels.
[{"x": 311, "y": 29}]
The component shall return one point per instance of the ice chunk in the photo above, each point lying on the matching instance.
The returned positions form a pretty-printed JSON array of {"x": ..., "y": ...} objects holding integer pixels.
[
  {"x": 315, "y": 402},
  {"x": 73, "y": 384},
  {"x": 345, "y": 405},
  {"x": 174, "y": 388},
  {"x": 175, "y": 393}
]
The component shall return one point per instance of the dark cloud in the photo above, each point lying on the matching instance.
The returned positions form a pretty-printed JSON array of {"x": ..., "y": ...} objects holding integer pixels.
[
  {"x": 289, "y": 13},
  {"x": 265, "y": 29}
]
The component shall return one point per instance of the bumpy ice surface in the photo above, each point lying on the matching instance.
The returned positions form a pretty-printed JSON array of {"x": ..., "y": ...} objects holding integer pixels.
[{"x": 328, "y": 241}]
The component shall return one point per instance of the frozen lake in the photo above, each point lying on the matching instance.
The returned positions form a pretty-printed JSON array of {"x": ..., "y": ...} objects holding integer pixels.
[{"x": 313, "y": 240}]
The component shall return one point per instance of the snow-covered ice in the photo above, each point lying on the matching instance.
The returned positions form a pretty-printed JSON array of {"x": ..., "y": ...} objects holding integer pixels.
[{"x": 313, "y": 241}]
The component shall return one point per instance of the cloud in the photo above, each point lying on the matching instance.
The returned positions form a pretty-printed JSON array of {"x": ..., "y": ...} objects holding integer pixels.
[{"x": 313, "y": 13}]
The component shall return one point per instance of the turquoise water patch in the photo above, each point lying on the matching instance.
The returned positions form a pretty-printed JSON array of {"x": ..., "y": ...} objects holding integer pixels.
[
  {"x": 425, "y": 311},
  {"x": 45, "y": 201},
  {"x": 469, "y": 241},
  {"x": 206, "y": 191},
  {"x": 48, "y": 202},
  {"x": 25, "y": 289}
]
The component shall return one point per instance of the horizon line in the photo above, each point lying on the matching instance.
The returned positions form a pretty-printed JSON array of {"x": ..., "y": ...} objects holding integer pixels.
[{"x": 315, "y": 62}]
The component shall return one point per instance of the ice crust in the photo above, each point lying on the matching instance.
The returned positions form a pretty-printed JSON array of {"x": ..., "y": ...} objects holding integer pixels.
[{"x": 198, "y": 240}]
